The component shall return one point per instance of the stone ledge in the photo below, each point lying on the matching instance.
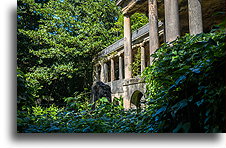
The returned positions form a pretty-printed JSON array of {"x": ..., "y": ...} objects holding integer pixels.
[
  {"x": 133, "y": 81},
  {"x": 116, "y": 86},
  {"x": 137, "y": 34}
]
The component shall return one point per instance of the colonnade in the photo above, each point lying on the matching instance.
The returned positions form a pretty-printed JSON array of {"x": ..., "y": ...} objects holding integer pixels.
[
  {"x": 104, "y": 69},
  {"x": 172, "y": 31}
]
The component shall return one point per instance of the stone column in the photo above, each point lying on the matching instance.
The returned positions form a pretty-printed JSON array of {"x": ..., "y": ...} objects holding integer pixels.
[
  {"x": 112, "y": 70},
  {"x": 142, "y": 50},
  {"x": 126, "y": 104},
  {"x": 127, "y": 47},
  {"x": 153, "y": 26},
  {"x": 96, "y": 73},
  {"x": 105, "y": 72},
  {"x": 120, "y": 67},
  {"x": 102, "y": 78},
  {"x": 195, "y": 17},
  {"x": 172, "y": 26}
]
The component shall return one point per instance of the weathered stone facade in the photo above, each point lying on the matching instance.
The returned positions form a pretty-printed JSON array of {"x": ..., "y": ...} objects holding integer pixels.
[{"x": 168, "y": 20}]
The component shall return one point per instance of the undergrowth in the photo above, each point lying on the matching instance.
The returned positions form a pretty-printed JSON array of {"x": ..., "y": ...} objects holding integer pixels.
[{"x": 185, "y": 93}]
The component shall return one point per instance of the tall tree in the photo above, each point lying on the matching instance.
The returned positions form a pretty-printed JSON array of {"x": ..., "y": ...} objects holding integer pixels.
[{"x": 57, "y": 40}]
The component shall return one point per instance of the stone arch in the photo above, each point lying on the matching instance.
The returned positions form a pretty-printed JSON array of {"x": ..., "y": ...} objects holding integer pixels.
[
  {"x": 137, "y": 100},
  {"x": 131, "y": 89}
]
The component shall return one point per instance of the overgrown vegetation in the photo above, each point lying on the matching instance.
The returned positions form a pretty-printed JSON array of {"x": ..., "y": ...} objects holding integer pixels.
[
  {"x": 186, "y": 84},
  {"x": 186, "y": 93},
  {"x": 136, "y": 68},
  {"x": 57, "y": 40}
]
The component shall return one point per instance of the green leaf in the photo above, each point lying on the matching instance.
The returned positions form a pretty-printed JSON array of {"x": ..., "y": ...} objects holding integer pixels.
[
  {"x": 159, "y": 111},
  {"x": 179, "y": 126},
  {"x": 180, "y": 79},
  {"x": 180, "y": 105}
]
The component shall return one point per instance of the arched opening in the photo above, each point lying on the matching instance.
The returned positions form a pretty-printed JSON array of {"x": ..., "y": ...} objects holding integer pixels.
[{"x": 137, "y": 100}]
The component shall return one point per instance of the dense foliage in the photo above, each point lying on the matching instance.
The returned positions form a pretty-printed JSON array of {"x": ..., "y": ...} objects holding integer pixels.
[
  {"x": 186, "y": 84},
  {"x": 57, "y": 41},
  {"x": 185, "y": 89}
]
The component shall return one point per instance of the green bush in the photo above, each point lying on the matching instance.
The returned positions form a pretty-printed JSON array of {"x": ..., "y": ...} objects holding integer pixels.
[
  {"x": 186, "y": 84},
  {"x": 54, "y": 119},
  {"x": 24, "y": 92},
  {"x": 185, "y": 93}
]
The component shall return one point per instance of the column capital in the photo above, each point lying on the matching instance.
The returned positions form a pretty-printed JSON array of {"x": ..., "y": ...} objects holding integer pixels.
[
  {"x": 127, "y": 14},
  {"x": 141, "y": 44}
]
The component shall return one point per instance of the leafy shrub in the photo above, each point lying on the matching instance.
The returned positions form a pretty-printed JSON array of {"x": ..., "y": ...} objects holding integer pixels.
[
  {"x": 185, "y": 89},
  {"x": 24, "y": 92},
  {"x": 186, "y": 84},
  {"x": 79, "y": 102},
  {"x": 54, "y": 119}
]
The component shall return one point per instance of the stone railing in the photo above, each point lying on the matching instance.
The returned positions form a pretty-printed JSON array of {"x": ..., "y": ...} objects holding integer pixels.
[{"x": 138, "y": 34}]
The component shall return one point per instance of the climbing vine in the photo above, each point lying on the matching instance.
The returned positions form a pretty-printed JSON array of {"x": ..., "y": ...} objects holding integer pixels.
[
  {"x": 136, "y": 64},
  {"x": 186, "y": 84}
]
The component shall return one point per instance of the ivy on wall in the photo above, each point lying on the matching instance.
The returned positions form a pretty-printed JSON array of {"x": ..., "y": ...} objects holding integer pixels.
[
  {"x": 186, "y": 84},
  {"x": 136, "y": 64}
]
